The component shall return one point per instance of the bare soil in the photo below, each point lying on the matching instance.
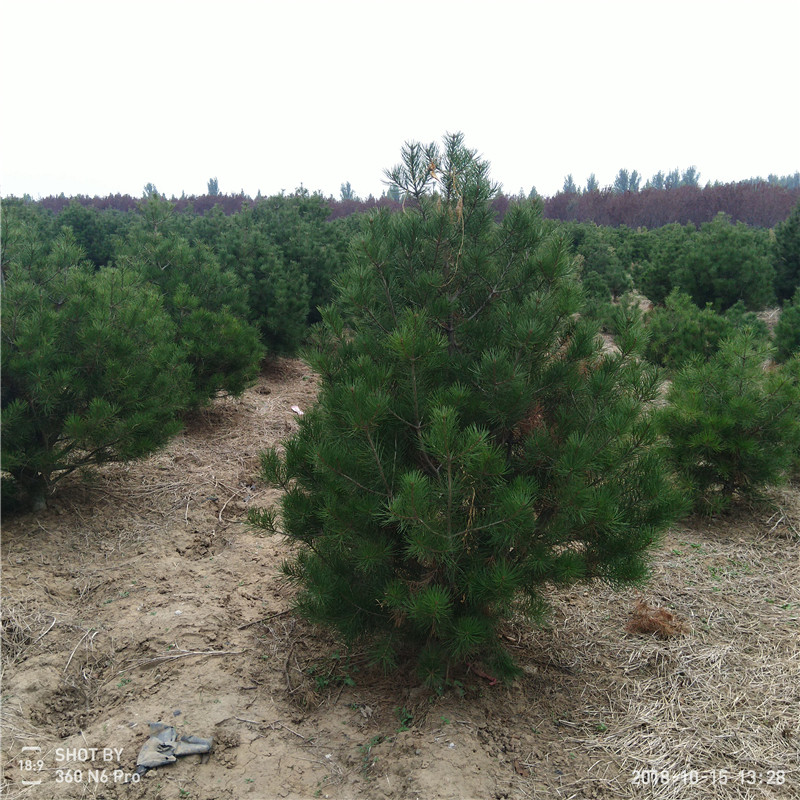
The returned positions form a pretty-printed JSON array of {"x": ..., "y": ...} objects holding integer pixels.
[{"x": 140, "y": 594}]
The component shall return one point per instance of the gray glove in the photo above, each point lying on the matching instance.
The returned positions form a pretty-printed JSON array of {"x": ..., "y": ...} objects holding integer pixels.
[{"x": 164, "y": 747}]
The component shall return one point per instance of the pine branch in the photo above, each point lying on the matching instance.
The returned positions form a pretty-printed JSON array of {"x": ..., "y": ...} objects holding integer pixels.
[
  {"x": 348, "y": 478},
  {"x": 374, "y": 452}
]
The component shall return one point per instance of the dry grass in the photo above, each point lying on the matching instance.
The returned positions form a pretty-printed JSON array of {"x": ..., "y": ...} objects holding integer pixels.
[
  {"x": 24, "y": 625},
  {"x": 725, "y": 697}
]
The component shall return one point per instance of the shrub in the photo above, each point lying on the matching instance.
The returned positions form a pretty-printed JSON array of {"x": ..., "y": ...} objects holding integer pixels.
[
  {"x": 207, "y": 303},
  {"x": 679, "y": 331},
  {"x": 787, "y": 331},
  {"x": 471, "y": 444},
  {"x": 278, "y": 296},
  {"x": 732, "y": 426},
  {"x": 786, "y": 255},
  {"x": 718, "y": 265},
  {"x": 91, "y": 370}
]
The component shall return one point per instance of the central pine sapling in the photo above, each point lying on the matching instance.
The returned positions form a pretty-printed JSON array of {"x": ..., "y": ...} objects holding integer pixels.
[{"x": 472, "y": 445}]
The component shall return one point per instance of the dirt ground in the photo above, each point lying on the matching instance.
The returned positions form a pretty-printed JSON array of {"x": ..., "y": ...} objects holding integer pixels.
[{"x": 140, "y": 594}]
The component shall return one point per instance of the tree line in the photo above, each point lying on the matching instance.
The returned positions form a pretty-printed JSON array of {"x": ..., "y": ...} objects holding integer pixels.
[
  {"x": 665, "y": 198},
  {"x": 758, "y": 204}
]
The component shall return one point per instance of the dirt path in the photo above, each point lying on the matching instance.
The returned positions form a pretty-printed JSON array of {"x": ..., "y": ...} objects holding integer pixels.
[{"x": 142, "y": 595}]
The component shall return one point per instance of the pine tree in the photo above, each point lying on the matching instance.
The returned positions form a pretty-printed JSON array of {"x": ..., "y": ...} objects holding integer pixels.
[
  {"x": 679, "y": 331},
  {"x": 725, "y": 263},
  {"x": 91, "y": 371},
  {"x": 787, "y": 331},
  {"x": 207, "y": 303},
  {"x": 297, "y": 225},
  {"x": 600, "y": 258},
  {"x": 733, "y": 427},
  {"x": 278, "y": 296},
  {"x": 471, "y": 444},
  {"x": 721, "y": 263},
  {"x": 786, "y": 256}
]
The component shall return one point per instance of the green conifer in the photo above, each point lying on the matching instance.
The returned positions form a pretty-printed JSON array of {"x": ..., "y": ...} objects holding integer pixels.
[
  {"x": 207, "y": 303},
  {"x": 679, "y": 330},
  {"x": 278, "y": 295},
  {"x": 733, "y": 427},
  {"x": 787, "y": 331},
  {"x": 786, "y": 256},
  {"x": 91, "y": 370},
  {"x": 472, "y": 445}
]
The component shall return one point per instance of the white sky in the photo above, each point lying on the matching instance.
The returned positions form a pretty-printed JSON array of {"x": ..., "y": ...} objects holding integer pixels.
[{"x": 104, "y": 96}]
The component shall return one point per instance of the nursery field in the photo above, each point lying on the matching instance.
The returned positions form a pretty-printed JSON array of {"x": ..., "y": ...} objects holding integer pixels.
[{"x": 141, "y": 595}]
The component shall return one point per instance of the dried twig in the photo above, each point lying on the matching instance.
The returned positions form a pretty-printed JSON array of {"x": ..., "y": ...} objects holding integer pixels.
[
  {"x": 41, "y": 636},
  {"x": 74, "y": 650},
  {"x": 179, "y": 654},
  {"x": 285, "y": 727},
  {"x": 219, "y": 516},
  {"x": 264, "y": 619}
]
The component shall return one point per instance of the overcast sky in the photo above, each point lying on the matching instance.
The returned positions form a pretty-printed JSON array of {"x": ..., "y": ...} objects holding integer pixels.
[{"x": 105, "y": 96}]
